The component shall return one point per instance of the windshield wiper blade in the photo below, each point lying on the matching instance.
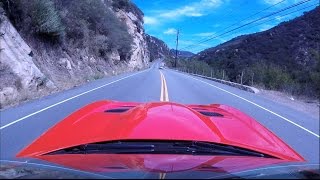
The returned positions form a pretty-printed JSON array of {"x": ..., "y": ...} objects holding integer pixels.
[
  {"x": 101, "y": 148},
  {"x": 202, "y": 147},
  {"x": 119, "y": 148},
  {"x": 159, "y": 147}
]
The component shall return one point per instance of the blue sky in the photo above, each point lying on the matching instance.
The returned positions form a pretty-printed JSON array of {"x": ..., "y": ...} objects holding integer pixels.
[{"x": 202, "y": 19}]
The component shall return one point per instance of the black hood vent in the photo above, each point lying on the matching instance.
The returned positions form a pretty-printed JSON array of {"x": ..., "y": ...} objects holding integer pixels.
[{"x": 211, "y": 114}]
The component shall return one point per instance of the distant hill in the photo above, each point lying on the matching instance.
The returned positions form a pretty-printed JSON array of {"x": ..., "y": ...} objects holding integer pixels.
[
  {"x": 285, "y": 57},
  {"x": 182, "y": 54},
  {"x": 157, "y": 48}
]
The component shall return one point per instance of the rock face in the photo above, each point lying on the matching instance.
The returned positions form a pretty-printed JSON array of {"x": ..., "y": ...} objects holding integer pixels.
[
  {"x": 157, "y": 48},
  {"x": 140, "y": 55},
  {"x": 18, "y": 71},
  {"x": 30, "y": 68}
]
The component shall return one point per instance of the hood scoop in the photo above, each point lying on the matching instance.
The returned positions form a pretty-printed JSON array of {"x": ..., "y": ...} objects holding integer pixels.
[
  {"x": 121, "y": 109},
  {"x": 211, "y": 114}
]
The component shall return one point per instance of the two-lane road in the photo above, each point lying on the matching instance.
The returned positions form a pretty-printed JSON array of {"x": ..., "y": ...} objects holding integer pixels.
[{"x": 23, "y": 124}]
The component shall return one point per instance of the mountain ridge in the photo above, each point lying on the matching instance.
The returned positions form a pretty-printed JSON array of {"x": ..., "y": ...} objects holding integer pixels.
[
  {"x": 159, "y": 49},
  {"x": 284, "y": 57}
]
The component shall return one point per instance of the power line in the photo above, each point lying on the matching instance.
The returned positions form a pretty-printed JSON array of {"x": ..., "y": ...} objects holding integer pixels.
[
  {"x": 282, "y": 16},
  {"x": 251, "y": 22},
  {"x": 241, "y": 20},
  {"x": 230, "y": 11},
  {"x": 274, "y": 18}
]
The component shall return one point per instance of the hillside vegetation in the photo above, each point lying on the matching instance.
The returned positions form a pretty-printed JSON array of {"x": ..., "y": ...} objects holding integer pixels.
[
  {"x": 85, "y": 23},
  {"x": 157, "y": 48},
  {"x": 53, "y": 45},
  {"x": 285, "y": 57}
]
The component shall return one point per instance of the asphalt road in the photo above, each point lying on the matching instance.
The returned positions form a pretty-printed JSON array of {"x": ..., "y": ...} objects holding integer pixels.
[{"x": 23, "y": 124}]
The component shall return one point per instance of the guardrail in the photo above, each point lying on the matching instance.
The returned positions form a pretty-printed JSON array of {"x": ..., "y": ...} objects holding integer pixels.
[{"x": 233, "y": 84}]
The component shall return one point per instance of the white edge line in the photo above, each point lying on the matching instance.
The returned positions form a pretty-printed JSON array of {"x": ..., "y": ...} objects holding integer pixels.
[
  {"x": 258, "y": 106},
  {"x": 53, "y": 105},
  {"x": 58, "y": 167}
]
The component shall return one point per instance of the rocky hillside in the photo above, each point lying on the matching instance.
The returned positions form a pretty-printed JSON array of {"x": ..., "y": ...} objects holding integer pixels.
[
  {"x": 285, "y": 57},
  {"x": 51, "y": 45},
  {"x": 157, "y": 48}
]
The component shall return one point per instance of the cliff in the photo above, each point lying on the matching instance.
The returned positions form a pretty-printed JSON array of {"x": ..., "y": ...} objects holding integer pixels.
[
  {"x": 36, "y": 60},
  {"x": 157, "y": 48}
]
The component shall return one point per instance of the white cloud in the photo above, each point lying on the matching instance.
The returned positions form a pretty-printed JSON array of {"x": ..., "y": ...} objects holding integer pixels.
[
  {"x": 187, "y": 43},
  {"x": 265, "y": 27},
  {"x": 279, "y": 18},
  {"x": 272, "y": 1},
  {"x": 192, "y": 10},
  {"x": 205, "y": 34},
  {"x": 216, "y": 25},
  {"x": 170, "y": 31},
  {"x": 283, "y": 2},
  {"x": 283, "y": 18},
  {"x": 150, "y": 20}
]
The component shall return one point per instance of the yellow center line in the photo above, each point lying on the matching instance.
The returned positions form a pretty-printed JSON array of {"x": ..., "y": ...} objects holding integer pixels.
[
  {"x": 161, "y": 93},
  {"x": 162, "y": 175},
  {"x": 164, "y": 96}
]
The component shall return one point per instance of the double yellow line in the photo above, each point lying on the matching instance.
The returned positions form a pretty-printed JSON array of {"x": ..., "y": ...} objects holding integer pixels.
[
  {"x": 163, "y": 97},
  {"x": 164, "y": 89},
  {"x": 162, "y": 175}
]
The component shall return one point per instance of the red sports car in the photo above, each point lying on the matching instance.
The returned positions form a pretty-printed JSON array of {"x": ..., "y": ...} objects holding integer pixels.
[{"x": 168, "y": 139}]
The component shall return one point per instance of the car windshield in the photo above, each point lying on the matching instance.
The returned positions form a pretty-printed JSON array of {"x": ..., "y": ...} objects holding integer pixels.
[{"x": 159, "y": 89}]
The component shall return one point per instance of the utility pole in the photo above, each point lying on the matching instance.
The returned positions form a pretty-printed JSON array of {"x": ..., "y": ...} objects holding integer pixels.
[
  {"x": 241, "y": 77},
  {"x": 175, "y": 63},
  {"x": 222, "y": 74}
]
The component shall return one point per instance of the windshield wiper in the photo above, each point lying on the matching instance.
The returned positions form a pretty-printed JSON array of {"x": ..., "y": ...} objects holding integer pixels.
[
  {"x": 159, "y": 147},
  {"x": 204, "y": 147},
  {"x": 107, "y": 148}
]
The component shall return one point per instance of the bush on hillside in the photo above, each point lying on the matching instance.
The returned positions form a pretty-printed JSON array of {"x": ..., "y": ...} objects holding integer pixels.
[
  {"x": 46, "y": 20},
  {"x": 128, "y": 6},
  {"x": 95, "y": 26},
  {"x": 84, "y": 24},
  {"x": 16, "y": 11},
  {"x": 121, "y": 4}
]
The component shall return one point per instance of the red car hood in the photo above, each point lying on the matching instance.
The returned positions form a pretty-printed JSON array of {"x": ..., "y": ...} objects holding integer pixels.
[
  {"x": 109, "y": 120},
  {"x": 166, "y": 163}
]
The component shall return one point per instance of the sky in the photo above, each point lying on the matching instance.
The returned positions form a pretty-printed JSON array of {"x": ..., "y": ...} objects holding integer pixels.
[{"x": 199, "y": 20}]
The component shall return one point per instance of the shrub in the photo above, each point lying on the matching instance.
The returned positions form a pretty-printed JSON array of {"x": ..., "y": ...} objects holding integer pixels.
[
  {"x": 14, "y": 10},
  {"x": 121, "y": 4},
  {"x": 93, "y": 23},
  {"x": 46, "y": 20},
  {"x": 80, "y": 23},
  {"x": 128, "y": 6},
  {"x": 99, "y": 45}
]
